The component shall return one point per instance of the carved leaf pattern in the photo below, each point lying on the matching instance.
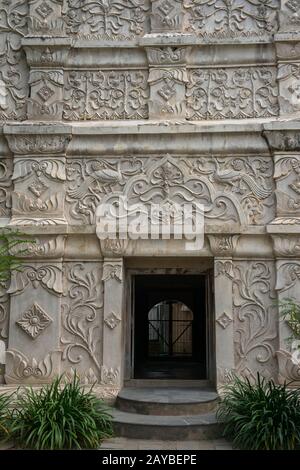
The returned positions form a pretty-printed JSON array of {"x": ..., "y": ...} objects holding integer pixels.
[
  {"x": 47, "y": 276},
  {"x": 81, "y": 315},
  {"x": 89, "y": 180},
  {"x": 5, "y": 187},
  {"x": 106, "y": 19},
  {"x": 246, "y": 92},
  {"x": 254, "y": 318},
  {"x": 231, "y": 18},
  {"x": 231, "y": 188},
  {"x": 14, "y": 70},
  {"x": 106, "y": 95}
]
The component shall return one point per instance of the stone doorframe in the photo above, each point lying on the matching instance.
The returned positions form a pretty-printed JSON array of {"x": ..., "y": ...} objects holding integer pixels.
[{"x": 121, "y": 261}]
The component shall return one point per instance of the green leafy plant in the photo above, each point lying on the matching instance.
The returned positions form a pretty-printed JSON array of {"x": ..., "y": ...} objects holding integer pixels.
[
  {"x": 290, "y": 311},
  {"x": 11, "y": 243},
  {"x": 262, "y": 416},
  {"x": 60, "y": 416},
  {"x": 4, "y": 421}
]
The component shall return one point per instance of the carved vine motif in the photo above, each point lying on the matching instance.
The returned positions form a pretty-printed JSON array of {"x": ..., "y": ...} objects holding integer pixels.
[
  {"x": 254, "y": 318},
  {"x": 81, "y": 315},
  {"x": 90, "y": 180},
  {"x": 106, "y": 95},
  {"x": 231, "y": 18},
  {"x": 13, "y": 66},
  {"x": 238, "y": 189},
  {"x": 232, "y": 93},
  {"x": 5, "y": 187},
  {"x": 245, "y": 178},
  {"x": 46, "y": 276},
  {"x": 106, "y": 19},
  {"x": 29, "y": 369}
]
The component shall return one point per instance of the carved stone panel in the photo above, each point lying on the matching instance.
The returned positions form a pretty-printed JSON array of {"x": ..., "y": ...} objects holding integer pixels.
[
  {"x": 214, "y": 19},
  {"x": 14, "y": 70},
  {"x": 35, "y": 305},
  {"x": 232, "y": 189},
  {"x": 106, "y": 19},
  {"x": 255, "y": 318},
  {"x": 287, "y": 178},
  {"x": 45, "y": 18},
  {"x": 38, "y": 197},
  {"x": 289, "y": 88},
  {"x": 82, "y": 321},
  {"x": 167, "y": 16},
  {"x": 5, "y": 187},
  {"x": 232, "y": 93},
  {"x": 105, "y": 95}
]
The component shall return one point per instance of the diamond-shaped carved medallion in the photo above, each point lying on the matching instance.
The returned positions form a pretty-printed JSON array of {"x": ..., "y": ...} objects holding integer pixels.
[
  {"x": 37, "y": 187},
  {"x": 45, "y": 93},
  {"x": 167, "y": 91},
  {"x": 112, "y": 320},
  {"x": 44, "y": 10},
  {"x": 34, "y": 321},
  {"x": 224, "y": 320},
  {"x": 166, "y": 7}
]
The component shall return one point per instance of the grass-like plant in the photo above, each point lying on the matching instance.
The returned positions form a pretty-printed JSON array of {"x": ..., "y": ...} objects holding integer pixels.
[
  {"x": 4, "y": 426},
  {"x": 60, "y": 416},
  {"x": 260, "y": 416}
]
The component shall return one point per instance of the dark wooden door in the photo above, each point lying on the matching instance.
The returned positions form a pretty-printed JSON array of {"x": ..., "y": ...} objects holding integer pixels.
[{"x": 170, "y": 326}]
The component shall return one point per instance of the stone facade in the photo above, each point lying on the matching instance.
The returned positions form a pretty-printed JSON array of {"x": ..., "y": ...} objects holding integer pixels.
[{"x": 178, "y": 99}]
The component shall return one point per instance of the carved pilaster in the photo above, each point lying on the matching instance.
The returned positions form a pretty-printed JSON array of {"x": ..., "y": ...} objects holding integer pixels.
[
  {"x": 46, "y": 59},
  {"x": 113, "y": 348},
  {"x": 39, "y": 175},
  {"x": 167, "y": 79},
  {"x": 45, "y": 18},
  {"x": 287, "y": 252},
  {"x": 284, "y": 143},
  {"x": 287, "y": 42},
  {"x": 224, "y": 319},
  {"x": 33, "y": 354}
]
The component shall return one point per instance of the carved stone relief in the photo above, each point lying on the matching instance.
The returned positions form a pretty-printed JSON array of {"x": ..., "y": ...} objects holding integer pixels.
[
  {"x": 255, "y": 318},
  {"x": 106, "y": 19},
  {"x": 287, "y": 179},
  {"x": 289, "y": 88},
  {"x": 232, "y": 189},
  {"x": 45, "y": 18},
  {"x": 5, "y": 187},
  {"x": 14, "y": 70},
  {"x": 166, "y": 16},
  {"x": 39, "y": 192},
  {"x": 167, "y": 80},
  {"x": 212, "y": 19},
  {"x": 82, "y": 314},
  {"x": 232, "y": 93},
  {"x": 105, "y": 95}
]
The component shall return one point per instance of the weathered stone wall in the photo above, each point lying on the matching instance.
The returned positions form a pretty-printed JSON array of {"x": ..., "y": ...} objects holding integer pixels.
[{"x": 179, "y": 100}]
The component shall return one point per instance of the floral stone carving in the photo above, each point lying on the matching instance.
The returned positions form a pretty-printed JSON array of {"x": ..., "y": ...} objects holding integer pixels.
[{"x": 34, "y": 321}]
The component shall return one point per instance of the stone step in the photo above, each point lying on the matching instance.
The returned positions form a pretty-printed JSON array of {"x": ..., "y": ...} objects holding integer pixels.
[
  {"x": 171, "y": 428},
  {"x": 167, "y": 401}
]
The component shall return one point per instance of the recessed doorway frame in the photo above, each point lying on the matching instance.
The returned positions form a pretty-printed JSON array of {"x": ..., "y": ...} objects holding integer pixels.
[{"x": 150, "y": 266}]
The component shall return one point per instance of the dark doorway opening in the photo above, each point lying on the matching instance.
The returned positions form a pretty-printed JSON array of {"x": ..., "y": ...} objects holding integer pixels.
[{"x": 170, "y": 327}]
